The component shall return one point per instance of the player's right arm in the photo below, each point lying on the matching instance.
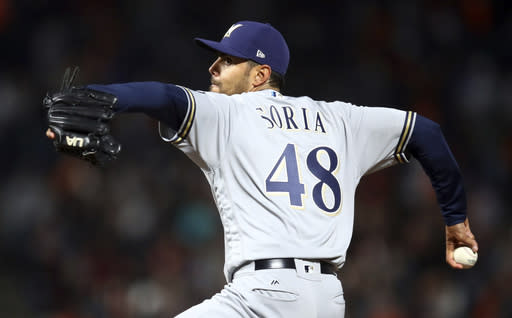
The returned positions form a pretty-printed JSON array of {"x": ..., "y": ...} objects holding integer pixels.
[
  {"x": 385, "y": 136},
  {"x": 430, "y": 148}
]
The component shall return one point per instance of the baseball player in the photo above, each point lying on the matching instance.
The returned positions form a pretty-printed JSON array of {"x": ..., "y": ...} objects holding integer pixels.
[{"x": 283, "y": 170}]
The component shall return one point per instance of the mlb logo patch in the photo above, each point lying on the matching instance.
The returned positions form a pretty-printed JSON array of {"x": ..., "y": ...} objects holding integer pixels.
[{"x": 309, "y": 268}]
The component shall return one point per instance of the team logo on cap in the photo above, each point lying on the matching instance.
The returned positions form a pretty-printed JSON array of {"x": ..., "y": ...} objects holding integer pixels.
[{"x": 233, "y": 28}]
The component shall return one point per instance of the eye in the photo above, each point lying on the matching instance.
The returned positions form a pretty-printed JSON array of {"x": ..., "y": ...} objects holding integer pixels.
[{"x": 228, "y": 60}]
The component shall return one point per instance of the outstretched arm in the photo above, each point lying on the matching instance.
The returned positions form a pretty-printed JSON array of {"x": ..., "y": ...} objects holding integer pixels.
[
  {"x": 167, "y": 103},
  {"x": 429, "y": 147}
]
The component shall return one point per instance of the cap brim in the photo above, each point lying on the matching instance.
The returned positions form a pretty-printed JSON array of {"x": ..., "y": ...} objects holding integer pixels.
[{"x": 218, "y": 47}]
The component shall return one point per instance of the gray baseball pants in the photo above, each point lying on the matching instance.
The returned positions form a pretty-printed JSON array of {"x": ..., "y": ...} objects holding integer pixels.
[{"x": 272, "y": 293}]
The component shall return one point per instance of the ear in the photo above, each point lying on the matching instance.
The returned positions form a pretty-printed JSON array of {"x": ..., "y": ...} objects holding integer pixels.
[{"x": 261, "y": 74}]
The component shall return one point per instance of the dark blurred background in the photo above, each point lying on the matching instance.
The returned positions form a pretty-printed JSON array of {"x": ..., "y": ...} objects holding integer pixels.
[{"x": 142, "y": 238}]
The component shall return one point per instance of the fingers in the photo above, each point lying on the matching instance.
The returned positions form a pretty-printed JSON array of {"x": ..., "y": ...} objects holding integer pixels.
[
  {"x": 459, "y": 235},
  {"x": 451, "y": 261},
  {"x": 467, "y": 239},
  {"x": 450, "y": 247},
  {"x": 470, "y": 238},
  {"x": 50, "y": 134},
  {"x": 471, "y": 242}
]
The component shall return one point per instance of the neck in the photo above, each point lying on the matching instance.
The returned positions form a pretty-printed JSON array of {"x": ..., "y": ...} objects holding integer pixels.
[{"x": 263, "y": 87}]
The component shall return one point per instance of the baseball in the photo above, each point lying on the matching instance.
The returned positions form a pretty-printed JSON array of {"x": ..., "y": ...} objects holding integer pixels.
[{"x": 465, "y": 256}]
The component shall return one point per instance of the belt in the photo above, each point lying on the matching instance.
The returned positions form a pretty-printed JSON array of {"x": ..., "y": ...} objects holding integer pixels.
[{"x": 274, "y": 263}]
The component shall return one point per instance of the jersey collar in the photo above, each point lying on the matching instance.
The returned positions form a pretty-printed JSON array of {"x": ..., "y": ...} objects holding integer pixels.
[{"x": 271, "y": 92}]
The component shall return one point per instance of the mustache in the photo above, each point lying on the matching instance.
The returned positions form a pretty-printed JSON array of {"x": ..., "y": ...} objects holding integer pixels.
[{"x": 214, "y": 84}]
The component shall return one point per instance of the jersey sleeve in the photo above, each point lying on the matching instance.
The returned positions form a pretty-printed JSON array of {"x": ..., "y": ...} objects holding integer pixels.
[
  {"x": 380, "y": 136},
  {"x": 176, "y": 136},
  {"x": 204, "y": 132}
]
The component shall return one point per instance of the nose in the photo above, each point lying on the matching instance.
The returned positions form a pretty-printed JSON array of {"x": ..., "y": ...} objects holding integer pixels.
[{"x": 214, "y": 68}]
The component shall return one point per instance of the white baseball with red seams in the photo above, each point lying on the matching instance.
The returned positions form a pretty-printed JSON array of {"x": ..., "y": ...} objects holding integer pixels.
[{"x": 465, "y": 256}]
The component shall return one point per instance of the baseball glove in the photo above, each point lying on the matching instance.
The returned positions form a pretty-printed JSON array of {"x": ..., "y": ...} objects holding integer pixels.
[{"x": 79, "y": 118}]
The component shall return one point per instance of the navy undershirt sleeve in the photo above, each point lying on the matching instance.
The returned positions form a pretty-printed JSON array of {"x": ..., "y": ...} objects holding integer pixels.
[
  {"x": 167, "y": 103},
  {"x": 429, "y": 147}
]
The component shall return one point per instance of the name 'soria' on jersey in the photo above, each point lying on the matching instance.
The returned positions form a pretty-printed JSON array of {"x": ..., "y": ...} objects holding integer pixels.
[{"x": 284, "y": 170}]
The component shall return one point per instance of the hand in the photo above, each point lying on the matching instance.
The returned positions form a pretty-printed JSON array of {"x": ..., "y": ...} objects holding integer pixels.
[
  {"x": 459, "y": 235},
  {"x": 79, "y": 121},
  {"x": 50, "y": 134}
]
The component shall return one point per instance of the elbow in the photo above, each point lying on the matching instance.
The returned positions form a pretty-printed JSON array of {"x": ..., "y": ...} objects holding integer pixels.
[
  {"x": 427, "y": 126},
  {"x": 427, "y": 136}
]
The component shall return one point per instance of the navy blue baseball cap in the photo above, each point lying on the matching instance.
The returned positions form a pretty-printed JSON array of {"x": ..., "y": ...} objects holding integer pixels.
[{"x": 259, "y": 42}]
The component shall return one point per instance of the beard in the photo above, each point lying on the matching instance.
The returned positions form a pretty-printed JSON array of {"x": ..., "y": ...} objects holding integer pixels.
[
  {"x": 237, "y": 87},
  {"x": 231, "y": 87},
  {"x": 215, "y": 87}
]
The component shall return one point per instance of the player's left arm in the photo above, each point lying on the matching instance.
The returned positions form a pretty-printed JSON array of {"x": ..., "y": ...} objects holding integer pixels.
[
  {"x": 167, "y": 103},
  {"x": 194, "y": 121},
  {"x": 429, "y": 147}
]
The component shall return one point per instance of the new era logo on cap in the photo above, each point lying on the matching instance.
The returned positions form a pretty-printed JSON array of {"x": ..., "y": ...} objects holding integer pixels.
[{"x": 259, "y": 42}]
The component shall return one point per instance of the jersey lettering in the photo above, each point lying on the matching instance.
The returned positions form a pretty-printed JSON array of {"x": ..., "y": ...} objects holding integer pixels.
[
  {"x": 288, "y": 115},
  {"x": 304, "y": 112},
  {"x": 284, "y": 117},
  {"x": 274, "y": 115},
  {"x": 270, "y": 122},
  {"x": 319, "y": 123}
]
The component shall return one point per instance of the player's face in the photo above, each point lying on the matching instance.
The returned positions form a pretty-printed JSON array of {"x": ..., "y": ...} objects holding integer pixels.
[{"x": 230, "y": 75}]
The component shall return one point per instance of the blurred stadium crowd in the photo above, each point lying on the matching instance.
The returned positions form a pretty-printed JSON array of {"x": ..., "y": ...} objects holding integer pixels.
[{"x": 141, "y": 238}]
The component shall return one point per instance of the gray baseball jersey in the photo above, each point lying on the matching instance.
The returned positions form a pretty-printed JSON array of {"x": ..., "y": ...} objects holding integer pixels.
[{"x": 284, "y": 170}]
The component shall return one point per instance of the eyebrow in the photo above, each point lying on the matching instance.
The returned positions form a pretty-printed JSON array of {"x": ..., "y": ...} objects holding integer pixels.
[{"x": 236, "y": 59}]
